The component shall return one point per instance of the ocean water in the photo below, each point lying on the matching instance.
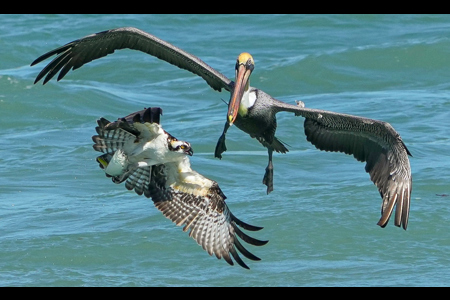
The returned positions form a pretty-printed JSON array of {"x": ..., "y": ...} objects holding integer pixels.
[{"x": 63, "y": 223}]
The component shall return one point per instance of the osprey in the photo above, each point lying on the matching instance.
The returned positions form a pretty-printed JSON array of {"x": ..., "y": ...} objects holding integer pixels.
[{"x": 154, "y": 163}]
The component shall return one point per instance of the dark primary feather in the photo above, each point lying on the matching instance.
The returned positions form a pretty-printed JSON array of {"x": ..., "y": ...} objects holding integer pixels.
[{"x": 81, "y": 51}]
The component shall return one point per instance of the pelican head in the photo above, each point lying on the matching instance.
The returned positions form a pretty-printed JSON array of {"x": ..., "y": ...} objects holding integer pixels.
[{"x": 244, "y": 68}]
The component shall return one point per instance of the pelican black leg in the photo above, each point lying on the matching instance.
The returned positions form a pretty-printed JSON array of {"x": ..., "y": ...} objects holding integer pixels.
[
  {"x": 268, "y": 176},
  {"x": 221, "y": 147}
]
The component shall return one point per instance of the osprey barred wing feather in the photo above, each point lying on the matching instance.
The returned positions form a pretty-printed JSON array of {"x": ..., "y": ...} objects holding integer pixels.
[
  {"x": 156, "y": 164},
  {"x": 203, "y": 211},
  {"x": 115, "y": 137}
]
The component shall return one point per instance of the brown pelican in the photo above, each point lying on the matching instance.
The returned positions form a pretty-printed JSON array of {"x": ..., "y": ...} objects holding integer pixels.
[
  {"x": 253, "y": 111},
  {"x": 154, "y": 163}
]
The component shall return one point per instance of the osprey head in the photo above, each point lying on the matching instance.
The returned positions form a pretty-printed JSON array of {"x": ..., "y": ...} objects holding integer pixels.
[{"x": 180, "y": 147}]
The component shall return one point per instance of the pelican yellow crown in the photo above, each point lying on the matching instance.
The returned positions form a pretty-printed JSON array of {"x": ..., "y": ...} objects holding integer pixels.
[{"x": 244, "y": 57}]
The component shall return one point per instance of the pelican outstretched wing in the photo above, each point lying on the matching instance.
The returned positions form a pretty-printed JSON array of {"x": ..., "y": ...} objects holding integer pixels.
[
  {"x": 371, "y": 141},
  {"x": 79, "y": 52},
  {"x": 384, "y": 152}
]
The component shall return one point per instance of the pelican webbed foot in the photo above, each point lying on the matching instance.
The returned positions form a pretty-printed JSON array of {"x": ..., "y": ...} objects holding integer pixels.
[
  {"x": 268, "y": 176},
  {"x": 221, "y": 147}
]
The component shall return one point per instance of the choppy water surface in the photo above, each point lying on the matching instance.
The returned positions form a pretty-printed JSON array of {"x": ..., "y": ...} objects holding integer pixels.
[{"x": 63, "y": 223}]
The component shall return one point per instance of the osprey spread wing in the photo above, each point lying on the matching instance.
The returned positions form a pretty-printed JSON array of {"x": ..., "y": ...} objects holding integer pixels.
[{"x": 138, "y": 151}]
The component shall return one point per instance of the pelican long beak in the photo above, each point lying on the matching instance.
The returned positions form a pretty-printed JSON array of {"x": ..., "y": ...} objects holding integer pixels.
[{"x": 244, "y": 68}]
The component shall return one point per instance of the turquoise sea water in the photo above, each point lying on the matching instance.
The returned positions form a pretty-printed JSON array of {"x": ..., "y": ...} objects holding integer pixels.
[{"x": 63, "y": 223}]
